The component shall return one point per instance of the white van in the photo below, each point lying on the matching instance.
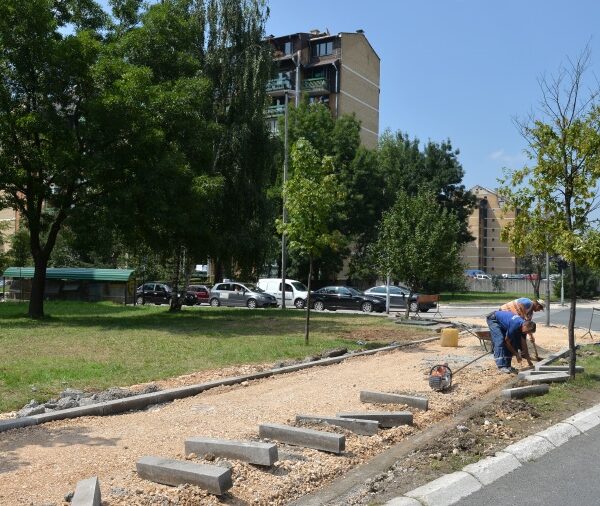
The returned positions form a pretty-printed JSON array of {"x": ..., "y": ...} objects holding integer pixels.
[{"x": 295, "y": 292}]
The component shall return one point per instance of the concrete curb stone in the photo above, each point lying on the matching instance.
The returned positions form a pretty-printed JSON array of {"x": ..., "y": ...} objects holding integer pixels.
[
  {"x": 403, "y": 501},
  {"x": 530, "y": 448},
  {"x": 560, "y": 433},
  {"x": 87, "y": 493},
  {"x": 446, "y": 490},
  {"x": 585, "y": 420},
  {"x": 490, "y": 469},
  {"x": 528, "y": 391}
]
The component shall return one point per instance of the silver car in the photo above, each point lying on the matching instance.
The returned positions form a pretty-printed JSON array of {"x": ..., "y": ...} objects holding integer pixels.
[{"x": 232, "y": 293}]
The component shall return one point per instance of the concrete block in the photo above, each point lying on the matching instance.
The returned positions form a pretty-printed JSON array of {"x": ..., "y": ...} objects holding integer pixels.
[
  {"x": 528, "y": 391},
  {"x": 363, "y": 427},
  {"x": 17, "y": 423},
  {"x": 385, "y": 398},
  {"x": 214, "y": 479},
  {"x": 446, "y": 490},
  {"x": 559, "y": 433},
  {"x": 490, "y": 469},
  {"x": 530, "y": 372},
  {"x": 87, "y": 493},
  {"x": 263, "y": 454},
  {"x": 325, "y": 441},
  {"x": 559, "y": 368},
  {"x": 550, "y": 377},
  {"x": 403, "y": 501},
  {"x": 385, "y": 418},
  {"x": 585, "y": 420},
  {"x": 530, "y": 448}
]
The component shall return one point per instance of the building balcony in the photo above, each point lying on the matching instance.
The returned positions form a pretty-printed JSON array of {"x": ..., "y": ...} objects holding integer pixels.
[
  {"x": 279, "y": 86},
  {"x": 275, "y": 110},
  {"x": 316, "y": 85}
]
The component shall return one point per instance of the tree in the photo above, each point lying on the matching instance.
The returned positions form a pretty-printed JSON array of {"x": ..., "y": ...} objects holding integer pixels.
[
  {"x": 311, "y": 195},
  {"x": 530, "y": 262},
  {"x": 418, "y": 242},
  {"x": 557, "y": 195}
]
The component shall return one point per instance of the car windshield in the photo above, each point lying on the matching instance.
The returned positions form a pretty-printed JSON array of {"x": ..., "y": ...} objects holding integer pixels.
[
  {"x": 354, "y": 291},
  {"x": 299, "y": 286},
  {"x": 254, "y": 288}
]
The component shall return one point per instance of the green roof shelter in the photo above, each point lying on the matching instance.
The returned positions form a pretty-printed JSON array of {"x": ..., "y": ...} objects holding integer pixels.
[{"x": 73, "y": 283}]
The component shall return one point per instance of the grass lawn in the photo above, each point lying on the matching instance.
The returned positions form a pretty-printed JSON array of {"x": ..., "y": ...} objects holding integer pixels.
[{"x": 96, "y": 346}]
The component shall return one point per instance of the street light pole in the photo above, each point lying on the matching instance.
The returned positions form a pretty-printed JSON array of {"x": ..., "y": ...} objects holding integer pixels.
[
  {"x": 547, "y": 289},
  {"x": 284, "y": 217}
]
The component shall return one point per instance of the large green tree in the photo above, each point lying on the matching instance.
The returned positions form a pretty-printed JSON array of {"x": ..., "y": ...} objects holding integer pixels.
[
  {"x": 418, "y": 243},
  {"x": 556, "y": 196},
  {"x": 311, "y": 195}
]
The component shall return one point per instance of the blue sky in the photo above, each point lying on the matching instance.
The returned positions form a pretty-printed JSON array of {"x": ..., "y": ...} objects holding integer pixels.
[{"x": 458, "y": 69}]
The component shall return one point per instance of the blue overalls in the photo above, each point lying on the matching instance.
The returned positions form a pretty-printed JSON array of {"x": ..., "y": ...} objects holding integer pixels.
[{"x": 502, "y": 324}]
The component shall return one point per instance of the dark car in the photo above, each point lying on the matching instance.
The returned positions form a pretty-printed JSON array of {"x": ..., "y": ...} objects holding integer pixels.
[
  {"x": 345, "y": 297},
  {"x": 153, "y": 292},
  {"x": 398, "y": 298},
  {"x": 200, "y": 292}
]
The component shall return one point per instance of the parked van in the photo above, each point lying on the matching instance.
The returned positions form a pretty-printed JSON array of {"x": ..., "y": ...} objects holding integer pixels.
[{"x": 295, "y": 292}]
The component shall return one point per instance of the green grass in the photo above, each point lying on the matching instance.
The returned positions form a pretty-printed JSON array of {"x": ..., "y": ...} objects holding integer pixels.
[
  {"x": 561, "y": 395},
  {"x": 95, "y": 346}
]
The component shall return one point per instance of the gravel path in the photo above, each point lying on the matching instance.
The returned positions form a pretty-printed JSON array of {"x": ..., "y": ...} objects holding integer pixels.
[{"x": 39, "y": 465}]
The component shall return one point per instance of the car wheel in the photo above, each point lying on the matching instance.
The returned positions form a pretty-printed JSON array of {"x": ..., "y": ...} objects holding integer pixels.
[
  {"x": 251, "y": 304},
  {"x": 299, "y": 303},
  {"x": 319, "y": 306},
  {"x": 215, "y": 302},
  {"x": 367, "y": 307},
  {"x": 414, "y": 307},
  {"x": 139, "y": 301}
]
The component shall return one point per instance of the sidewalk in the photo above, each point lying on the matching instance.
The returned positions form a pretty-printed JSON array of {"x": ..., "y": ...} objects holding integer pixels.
[{"x": 452, "y": 488}]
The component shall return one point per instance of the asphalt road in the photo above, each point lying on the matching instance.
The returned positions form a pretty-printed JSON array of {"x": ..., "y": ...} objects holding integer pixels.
[
  {"x": 558, "y": 316},
  {"x": 567, "y": 475}
]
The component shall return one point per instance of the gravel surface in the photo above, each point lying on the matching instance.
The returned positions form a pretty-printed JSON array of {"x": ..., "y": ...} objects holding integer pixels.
[{"x": 39, "y": 465}]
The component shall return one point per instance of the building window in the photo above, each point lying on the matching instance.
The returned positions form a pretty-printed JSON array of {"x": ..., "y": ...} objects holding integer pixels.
[
  {"x": 287, "y": 48},
  {"x": 322, "y": 49}
]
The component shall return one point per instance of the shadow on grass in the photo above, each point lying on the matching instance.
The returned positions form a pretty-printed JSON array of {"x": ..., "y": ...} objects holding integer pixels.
[
  {"x": 43, "y": 437},
  {"x": 211, "y": 322}
]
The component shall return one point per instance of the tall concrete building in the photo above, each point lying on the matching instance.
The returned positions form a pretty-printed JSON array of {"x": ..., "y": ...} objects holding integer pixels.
[
  {"x": 340, "y": 70},
  {"x": 9, "y": 223},
  {"x": 488, "y": 252}
]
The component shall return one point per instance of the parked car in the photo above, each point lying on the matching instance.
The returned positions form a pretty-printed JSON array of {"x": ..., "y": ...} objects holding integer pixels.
[
  {"x": 398, "y": 298},
  {"x": 472, "y": 273},
  {"x": 153, "y": 292},
  {"x": 199, "y": 292},
  {"x": 345, "y": 297},
  {"x": 233, "y": 293},
  {"x": 295, "y": 292}
]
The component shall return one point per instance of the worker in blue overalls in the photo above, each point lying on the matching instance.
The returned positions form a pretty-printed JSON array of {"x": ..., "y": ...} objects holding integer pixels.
[{"x": 508, "y": 332}]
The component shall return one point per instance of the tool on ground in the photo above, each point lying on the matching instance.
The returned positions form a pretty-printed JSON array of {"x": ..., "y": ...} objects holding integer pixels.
[
  {"x": 537, "y": 357},
  {"x": 440, "y": 376}
]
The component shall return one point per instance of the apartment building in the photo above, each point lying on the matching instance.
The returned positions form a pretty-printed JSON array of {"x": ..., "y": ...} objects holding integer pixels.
[
  {"x": 340, "y": 70},
  {"x": 488, "y": 252},
  {"x": 9, "y": 223}
]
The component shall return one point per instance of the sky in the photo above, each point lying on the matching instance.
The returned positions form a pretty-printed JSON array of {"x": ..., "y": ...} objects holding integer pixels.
[{"x": 459, "y": 69}]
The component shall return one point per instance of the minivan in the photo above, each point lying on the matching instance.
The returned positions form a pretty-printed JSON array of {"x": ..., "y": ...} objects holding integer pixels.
[{"x": 295, "y": 292}]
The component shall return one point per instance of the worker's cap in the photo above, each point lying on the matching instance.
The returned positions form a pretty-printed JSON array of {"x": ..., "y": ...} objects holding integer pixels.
[{"x": 541, "y": 304}]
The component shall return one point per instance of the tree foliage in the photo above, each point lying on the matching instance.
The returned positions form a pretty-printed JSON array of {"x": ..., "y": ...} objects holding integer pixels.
[
  {"x": 418, "y": 242},
  {"x": 557, "y": 194},
  {"x": 311, "y": 195}
]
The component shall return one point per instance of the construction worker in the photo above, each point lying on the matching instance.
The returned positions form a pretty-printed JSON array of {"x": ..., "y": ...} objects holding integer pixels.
[
  {"x": 525, "y": 308},
  {"x": 508, "y": 332}
]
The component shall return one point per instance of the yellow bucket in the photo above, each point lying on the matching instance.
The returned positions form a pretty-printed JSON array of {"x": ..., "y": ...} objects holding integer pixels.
[{"x": 449, "y": 338}]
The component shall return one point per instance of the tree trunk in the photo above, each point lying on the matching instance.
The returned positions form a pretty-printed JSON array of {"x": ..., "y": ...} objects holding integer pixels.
[
  {"x": 571, "y": 328},
  {"x": 38, "y": 286},
  {"x": 307, "y": 325},
  {"x": 407, "y": 310},
  {"x": 176, "y": 300}
]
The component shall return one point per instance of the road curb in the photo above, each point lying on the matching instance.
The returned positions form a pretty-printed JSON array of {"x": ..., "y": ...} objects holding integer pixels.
[
  {"x": 136, "y": 402},
  {"x": 488, "y": 470}
]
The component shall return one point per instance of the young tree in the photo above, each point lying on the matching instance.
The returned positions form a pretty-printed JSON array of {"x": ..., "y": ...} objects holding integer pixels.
[
  {"x": 311, "y": 195},
  {"x": 557, "y": 196},
  {"x": 418, "y": 242}
]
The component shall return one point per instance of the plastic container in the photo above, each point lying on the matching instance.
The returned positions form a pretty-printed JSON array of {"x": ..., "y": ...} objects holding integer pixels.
[{"x": 449, "y": 338}]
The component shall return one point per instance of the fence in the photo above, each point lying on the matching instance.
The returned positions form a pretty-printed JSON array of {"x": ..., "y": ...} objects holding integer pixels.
[{"x": 521, "y": 286}]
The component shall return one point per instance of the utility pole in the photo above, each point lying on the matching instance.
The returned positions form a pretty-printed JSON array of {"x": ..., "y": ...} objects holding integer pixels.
[
  {"x": 284, "y": 216},
  {"x": 547, "y": 289}
]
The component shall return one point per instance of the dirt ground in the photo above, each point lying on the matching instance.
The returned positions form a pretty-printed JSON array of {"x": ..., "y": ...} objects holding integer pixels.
[{"x": 39, "y": 465}]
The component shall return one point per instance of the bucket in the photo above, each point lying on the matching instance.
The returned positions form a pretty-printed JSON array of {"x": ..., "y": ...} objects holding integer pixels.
[{"x": 449, "y": 338}]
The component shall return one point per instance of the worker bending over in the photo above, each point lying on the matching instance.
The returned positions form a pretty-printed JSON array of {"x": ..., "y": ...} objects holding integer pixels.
[
  {"x": 524, "y": 308},
  {"x": 508, "y": 332}
]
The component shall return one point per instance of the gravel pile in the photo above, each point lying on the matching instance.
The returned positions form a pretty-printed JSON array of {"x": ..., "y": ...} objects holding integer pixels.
[{"x": 72, "y": 398}]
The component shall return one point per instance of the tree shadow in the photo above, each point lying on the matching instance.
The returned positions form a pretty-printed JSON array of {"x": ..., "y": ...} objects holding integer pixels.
[{"x": 43, "y": 437}]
